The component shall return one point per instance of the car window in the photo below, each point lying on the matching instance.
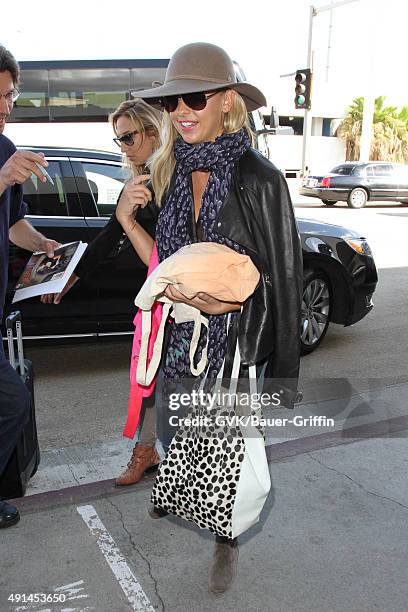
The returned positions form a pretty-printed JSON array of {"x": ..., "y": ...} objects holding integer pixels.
[
  {"x": 359, "y": 171},
  {"x": 383, "y": 170},
  {"x": 45, "y": 199},
  {"x": 401, "y": 172},
  {"x": 370, "y": 171},
  {"x": 105, "y": 182},
  {"x": 343, "y": 170}
]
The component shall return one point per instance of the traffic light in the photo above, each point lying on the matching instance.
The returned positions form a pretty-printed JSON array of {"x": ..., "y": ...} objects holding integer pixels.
[{"x": 303, "y": 88}]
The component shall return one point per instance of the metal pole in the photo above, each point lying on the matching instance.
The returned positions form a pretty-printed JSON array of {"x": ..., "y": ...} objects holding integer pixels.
[
  {"x": 329, "y": 43},
  {"x": 307, "y": 121},
  {"x": 333, "y": 5}
]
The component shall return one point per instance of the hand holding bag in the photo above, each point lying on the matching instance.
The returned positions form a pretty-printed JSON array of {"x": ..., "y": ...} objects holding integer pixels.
[{"x": 206, "y": 267}]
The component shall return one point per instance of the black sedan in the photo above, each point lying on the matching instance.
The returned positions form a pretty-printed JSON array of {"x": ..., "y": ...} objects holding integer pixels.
[
  {"x": 358, "y": 183},
  {"x": 339, "y": 271}
]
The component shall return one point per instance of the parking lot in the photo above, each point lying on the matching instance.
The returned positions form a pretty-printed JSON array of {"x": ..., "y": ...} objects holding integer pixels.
[{"x": 337, "y": 501}]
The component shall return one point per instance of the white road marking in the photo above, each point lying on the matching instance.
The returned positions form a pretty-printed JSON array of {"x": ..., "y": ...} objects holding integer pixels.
[
  {"x": 114, "y": 558},
  {"x": 35, "y": 607},
  {"x": 87, "y": 609},
  {"x": 71, "y": 591}
]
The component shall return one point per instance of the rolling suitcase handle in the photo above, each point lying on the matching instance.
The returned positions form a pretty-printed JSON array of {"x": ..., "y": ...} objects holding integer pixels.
[
  {"x": 15, "y": 317},
  {"x": 25, "y": 458}
]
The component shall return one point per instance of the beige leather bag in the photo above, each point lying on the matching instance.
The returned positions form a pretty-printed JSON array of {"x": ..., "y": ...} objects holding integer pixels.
[{"x": 200, "y": 267}]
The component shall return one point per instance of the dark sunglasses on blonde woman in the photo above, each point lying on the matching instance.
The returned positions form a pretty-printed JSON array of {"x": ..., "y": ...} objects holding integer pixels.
[
  {"x": 196, "y": 101},
  {"x": 126, "y": 139}
]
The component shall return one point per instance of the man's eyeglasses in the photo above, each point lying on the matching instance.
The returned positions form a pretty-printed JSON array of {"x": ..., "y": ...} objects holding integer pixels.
[
  {"x": 196, "y": 101},
  {"x": 10, "y": 96},
  {"x": 126, "y": 139}
]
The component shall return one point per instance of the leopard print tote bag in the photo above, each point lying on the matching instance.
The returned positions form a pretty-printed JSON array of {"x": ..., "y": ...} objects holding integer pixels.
[{"x": 215, "y": 472}]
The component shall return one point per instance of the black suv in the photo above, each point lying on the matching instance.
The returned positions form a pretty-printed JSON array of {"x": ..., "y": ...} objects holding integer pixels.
[{"x": 339, "y": 271}]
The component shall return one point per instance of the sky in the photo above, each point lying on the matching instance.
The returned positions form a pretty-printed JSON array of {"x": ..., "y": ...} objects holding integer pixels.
[{"x": 268, "y": 38}]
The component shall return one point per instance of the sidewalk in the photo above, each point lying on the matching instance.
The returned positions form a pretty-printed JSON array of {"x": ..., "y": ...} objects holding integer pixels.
[
  {"x": 351, "y": 403},
  {"x": 332, "y": 538}
]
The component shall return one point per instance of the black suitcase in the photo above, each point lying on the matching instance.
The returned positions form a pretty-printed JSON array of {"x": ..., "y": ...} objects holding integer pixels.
[{"x": 25, "y": 459}]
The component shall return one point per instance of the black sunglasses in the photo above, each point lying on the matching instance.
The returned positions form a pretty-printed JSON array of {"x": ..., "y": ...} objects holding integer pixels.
[
  {"x": 196, "y": 101},
  {"x": 126, "y": 139}
]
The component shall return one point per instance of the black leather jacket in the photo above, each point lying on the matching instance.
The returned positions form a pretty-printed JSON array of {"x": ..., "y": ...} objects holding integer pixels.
[{"x": 258, "y": 214}]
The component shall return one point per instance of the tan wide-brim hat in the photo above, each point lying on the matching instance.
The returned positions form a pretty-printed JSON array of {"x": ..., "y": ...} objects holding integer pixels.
[{"x": 202, "y": 67}]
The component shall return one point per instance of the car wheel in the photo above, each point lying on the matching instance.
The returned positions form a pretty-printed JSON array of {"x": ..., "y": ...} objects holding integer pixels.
[
  {"x": 357, "y": 198},
  {"x": 316, "y": 308},
  {"x": 329, "y": 202}
]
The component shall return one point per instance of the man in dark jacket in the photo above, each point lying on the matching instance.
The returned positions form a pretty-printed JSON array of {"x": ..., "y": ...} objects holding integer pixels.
[{"x": 15, "y": 168}]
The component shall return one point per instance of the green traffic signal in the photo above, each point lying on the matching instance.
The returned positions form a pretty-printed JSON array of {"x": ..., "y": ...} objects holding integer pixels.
[{"x": 303, "y": 87}]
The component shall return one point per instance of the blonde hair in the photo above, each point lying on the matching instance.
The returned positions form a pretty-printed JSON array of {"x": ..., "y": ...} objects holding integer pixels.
[
  {"x": 163, "y": 162},
  {"x": 145, "y": 119}
]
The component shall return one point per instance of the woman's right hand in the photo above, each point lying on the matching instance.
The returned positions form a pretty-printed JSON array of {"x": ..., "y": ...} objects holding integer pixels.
[
  {"x": 134, "y": 194},
  {"x": 55, "y": 298}
]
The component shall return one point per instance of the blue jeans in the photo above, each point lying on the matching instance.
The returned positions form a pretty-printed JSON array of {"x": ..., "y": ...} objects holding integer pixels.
[{"x": 14, "y": 408}]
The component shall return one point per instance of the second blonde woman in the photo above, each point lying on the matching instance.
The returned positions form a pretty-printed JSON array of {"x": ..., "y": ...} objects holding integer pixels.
[{"x": 136, "y": 125}]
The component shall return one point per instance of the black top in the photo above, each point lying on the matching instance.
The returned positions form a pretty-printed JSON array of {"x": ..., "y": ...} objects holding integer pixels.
[
  {"x": 111, "y": 234},
  {"x": 195, "y": 229}
]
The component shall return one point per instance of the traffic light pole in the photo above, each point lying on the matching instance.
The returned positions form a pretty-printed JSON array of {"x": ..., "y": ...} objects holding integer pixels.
[{"x": 307, "y": 122}]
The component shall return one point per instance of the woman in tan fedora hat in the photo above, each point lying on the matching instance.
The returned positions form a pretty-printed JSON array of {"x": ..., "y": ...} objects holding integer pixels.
[{"x": 211, "y": 185}]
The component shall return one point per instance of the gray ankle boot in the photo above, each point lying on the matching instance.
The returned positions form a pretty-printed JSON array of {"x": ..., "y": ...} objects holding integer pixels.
[{"x": 224, "y": 565}]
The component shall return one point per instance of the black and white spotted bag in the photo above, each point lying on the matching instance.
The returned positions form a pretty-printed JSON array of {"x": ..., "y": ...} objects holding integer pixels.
[{"x": 216, "y": 475}]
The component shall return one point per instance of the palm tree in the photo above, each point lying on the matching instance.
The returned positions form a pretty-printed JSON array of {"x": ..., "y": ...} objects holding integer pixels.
[{"x": 390, "y": 131}]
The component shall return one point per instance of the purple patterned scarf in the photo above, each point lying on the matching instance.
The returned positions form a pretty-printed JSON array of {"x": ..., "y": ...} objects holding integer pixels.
[{"x": 172, "y": 233}]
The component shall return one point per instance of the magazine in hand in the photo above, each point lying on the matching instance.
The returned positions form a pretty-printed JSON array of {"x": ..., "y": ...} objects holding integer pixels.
[{"x": 44, "y": 274}]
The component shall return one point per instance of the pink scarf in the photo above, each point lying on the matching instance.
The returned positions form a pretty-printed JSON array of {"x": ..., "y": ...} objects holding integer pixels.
[{"x": 138, "y": 392}]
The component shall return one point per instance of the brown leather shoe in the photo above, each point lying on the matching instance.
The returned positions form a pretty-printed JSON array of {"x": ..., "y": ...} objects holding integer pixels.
[
  {"x": 224, "y": 565},
  {"x": 144, "y": 458}
]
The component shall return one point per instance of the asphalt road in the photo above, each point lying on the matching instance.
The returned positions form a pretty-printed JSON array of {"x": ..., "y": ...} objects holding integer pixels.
[
  {"x": 324, "y": 518},
  {"x": 82, "y": 389}
]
